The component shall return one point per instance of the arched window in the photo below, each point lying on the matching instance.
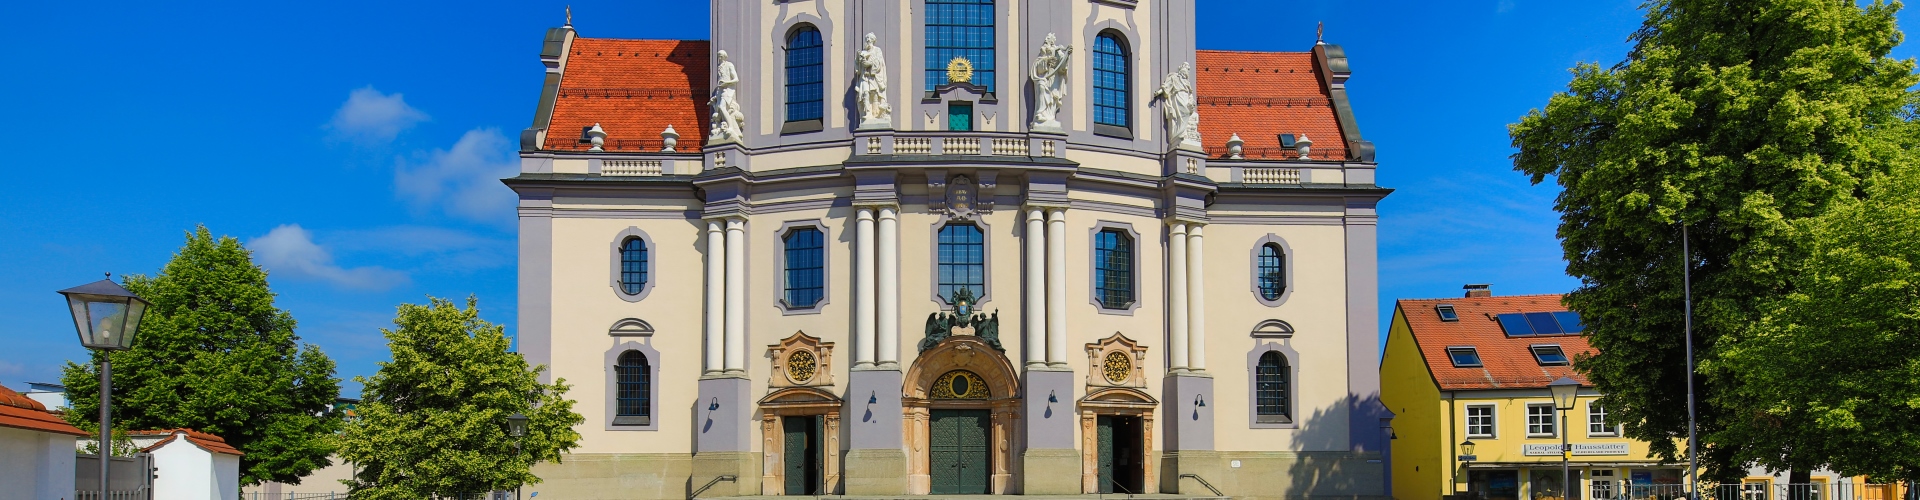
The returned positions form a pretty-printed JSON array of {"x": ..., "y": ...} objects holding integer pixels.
[
  {"x": 1113, "y": 268},
  {"x": 1110, "y": 104},
  {"x": 806, "y": 268},
  {"x": 635, "y": 388},
  {"x": 960, "y": 28},
  {"x": 633, "y": 265},
  {"x": 805, "y": 92},
  {"x": 1272, "y": 271},
  {"x": 1270, "y": 389},
  {"x": 962, "y": 260}
]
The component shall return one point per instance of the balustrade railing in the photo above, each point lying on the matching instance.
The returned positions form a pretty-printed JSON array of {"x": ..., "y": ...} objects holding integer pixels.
[
  {"x": 1269, "y": 175},
  {"x": 631, "y": 168},
  {"x": 960, "y": 145}
]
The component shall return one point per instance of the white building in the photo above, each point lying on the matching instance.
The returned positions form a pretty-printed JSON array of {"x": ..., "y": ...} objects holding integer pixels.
[
  {"x": 36, "y": 449},
  {"x": 1170, "y": 254},
  {"x": 191, "y": 464}
]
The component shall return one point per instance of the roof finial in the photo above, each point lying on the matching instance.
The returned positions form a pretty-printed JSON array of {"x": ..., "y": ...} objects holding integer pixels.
[
  {"x": 569, "y": 14},
  {"x": 1319, "y": 34}
]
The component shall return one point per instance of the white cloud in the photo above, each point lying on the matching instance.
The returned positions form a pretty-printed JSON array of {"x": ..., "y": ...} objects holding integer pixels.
[
  {"x": 464, "y": 180},
  {"x": 370, "y": 117},
  {"x": 290, "y": 250}
]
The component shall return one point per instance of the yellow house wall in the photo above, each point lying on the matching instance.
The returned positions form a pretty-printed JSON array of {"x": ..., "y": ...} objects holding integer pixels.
[{"x": 1408, "y": 390}]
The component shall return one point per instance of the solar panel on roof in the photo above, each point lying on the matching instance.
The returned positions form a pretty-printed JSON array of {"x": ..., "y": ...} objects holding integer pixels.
[
  {"x": 1570, "y": 321},
  {"x": 1543, "y": 323},
  {"x": 1515, "y": 325}
]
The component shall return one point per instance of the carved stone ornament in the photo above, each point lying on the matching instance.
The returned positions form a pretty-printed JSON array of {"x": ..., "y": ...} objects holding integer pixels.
[
  {"x": 1180, "y": 108},
  {"x": 728, "y": 120},
  {"x": 801, "y": 361},
  {"x": 1050, "y": 84},
  {"x": 870, "y": 86},
  {"x": 960, "y": 196},
  {"x": 962, "y": 321},
  {"x": 1116, "y": 361},
  {"x": 959, "y": 384}
]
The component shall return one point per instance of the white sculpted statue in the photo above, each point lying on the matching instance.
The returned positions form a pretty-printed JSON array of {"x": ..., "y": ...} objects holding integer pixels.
[
  {"x": 728, "y": 120},
  {"x": 1049, "y": 84},
  {"x": 870, "y": 91},
  {"x": 1181, "y": 110}
]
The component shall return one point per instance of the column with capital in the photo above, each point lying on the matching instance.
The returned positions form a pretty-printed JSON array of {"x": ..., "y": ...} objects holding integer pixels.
[
  {"x": 736, "y": 296},
  {"x": 1051, "y": 461},
  {"x": 1196, "y": 300},
  {"x": 1177, "y": 297},
  {"x": 1057, "y": 287},
  {"x": 863, "y": 288},
  {"x": 887, "y": 274},
  {"x": 876, "y": 463},
  {"x": 1035, "y": 346},
  {"x": 716, "y": 296}
]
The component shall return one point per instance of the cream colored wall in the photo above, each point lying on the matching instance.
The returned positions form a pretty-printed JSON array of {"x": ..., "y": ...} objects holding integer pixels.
[
  {"x": 1316, "y": 308},
  {"x": 1080, "y": 76},
  {"x": 837, "y": 68}
]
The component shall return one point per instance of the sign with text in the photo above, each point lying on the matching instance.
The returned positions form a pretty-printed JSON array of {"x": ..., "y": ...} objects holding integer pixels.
[{"x": 1579, "y": 449}]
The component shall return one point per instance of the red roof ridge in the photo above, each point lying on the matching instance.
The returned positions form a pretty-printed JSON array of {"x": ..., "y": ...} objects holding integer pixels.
[
  {"x": 21, "y": 412},
  {"x": 1515, "y": 296},
  {"x": 209, "y": 442},
  {"x": 1220, "y": 51},
  {"x": 639, "y": 39}
]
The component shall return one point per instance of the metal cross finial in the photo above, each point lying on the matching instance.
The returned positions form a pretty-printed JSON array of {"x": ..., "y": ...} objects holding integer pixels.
[
  {"x": 569, "y": 15},
  {"x": 1319, "y": 33}
]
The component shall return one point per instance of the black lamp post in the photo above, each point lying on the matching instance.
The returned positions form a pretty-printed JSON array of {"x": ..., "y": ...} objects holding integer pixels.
[
  {"x": 1564, "y": 391},
  {"x": 1466, "y": 455},
  {"x": 516, "y": 427},
  {"x": 107, "y": 316}
]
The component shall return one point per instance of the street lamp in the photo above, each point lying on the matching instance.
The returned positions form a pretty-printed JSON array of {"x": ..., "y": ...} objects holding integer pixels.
[
  {"x": 107, "y": 316},
  {"x": 1563, "y": 393},
  {"x": 516, "y": 427}
]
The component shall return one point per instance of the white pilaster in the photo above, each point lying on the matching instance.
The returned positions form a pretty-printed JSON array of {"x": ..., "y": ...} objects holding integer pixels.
[
  {"x": 736, "y": 295},
  {"x": 716, "y": 296},
  {"x": 1196, "y": 301},
  {"x": 1057, "y": 287},
  {"x": 863, "y": 286},
  {"x": 1177, "y": 296},
  {"x": 888, "y": 275},
  {"x": 1036, "y": 344}
]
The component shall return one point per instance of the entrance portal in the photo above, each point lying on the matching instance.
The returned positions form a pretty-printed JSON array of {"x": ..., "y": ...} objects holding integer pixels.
[
  {"x": 1121, "y": 466},
  {"x": 958, "y": 452},
  {"x": 802, "y": 454}
]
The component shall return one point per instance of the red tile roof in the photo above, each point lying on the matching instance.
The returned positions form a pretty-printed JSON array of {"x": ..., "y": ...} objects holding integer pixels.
[
  {"x": 205, "y": 441},
  {"x": 18, "y": 412},
  {"x": 1261, "y": 95},
  {"x": 1507, "y": 362},
  {"x": 633, "y": 89}
]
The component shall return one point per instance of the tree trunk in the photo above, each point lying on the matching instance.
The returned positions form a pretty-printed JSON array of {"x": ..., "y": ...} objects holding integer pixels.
[{"x": 1800, "y": 485}]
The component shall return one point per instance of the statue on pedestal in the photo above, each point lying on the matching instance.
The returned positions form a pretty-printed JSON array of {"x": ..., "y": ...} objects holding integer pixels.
[
  {"x": 962, "y": 321},
  {"x": 870, "y": 89},
  {"x": 1049, "y": 85},
  {"x": 728, "y": 120},
  {"x": 1181, "y": 110}
]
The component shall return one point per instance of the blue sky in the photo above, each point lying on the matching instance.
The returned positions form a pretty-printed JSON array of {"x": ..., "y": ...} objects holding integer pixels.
[{"x": 356, "y": 145}]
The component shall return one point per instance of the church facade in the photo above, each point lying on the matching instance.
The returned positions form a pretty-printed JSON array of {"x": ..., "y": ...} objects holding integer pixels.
[{"x": 952, "y": 247}]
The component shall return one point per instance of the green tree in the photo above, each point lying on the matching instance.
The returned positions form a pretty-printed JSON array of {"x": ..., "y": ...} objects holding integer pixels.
[
  {"x": 1831, "y": 368},
  {"x": 1738, "y": 119},
  {"x": 215, "y": 355},
  {"x": 433, "y": 422}
]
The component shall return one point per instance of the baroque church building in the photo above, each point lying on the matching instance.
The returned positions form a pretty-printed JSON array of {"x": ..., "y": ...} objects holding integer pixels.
[{"x": 948, "y": 247}]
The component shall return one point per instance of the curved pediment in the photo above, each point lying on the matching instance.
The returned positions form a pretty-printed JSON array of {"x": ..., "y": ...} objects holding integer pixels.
[
  {"x": 1119, "y": 396},
  {"x": 630, "y": 327},
  {"x": 962, "y": 352},
  {"x": 1273, "y": 329},
  {"x": 801, "y": 396}
]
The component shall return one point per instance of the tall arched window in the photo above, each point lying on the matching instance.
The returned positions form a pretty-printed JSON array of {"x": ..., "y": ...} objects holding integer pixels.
[
  {"x": 633, "y": 265},
  {"x": 960, "y": 28},
  {"x": 1272, "y": 271},
  {"x": 962, "y": 257},
  {"x": 635, "y": 388},
  {"x": 805, "y": 92},
  {"x": 1110, "y": 104},
  {"x": 1270, "y": 389},
  {"x": 806, "y": 268},
  {"x": 1113, "y": 268}
]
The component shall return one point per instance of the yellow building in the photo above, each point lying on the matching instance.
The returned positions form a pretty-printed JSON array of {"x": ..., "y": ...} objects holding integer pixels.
[{"x": 1476, "y": 369}]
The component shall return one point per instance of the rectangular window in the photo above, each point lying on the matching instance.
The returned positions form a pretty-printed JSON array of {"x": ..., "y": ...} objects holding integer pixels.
[
  {"x": 1109, "y": 81},
  {"x": 1754, "y": 489},
  {"x": 1446, "y": 312},
  {"x": 1604, "y": 484},
  {"x": 962, "y": 260},
  {"x": 960, "y": 29},
  {"x": 1464, "y": 357},
  {"x": 805, "y": 91},
  {"x": 1113, "y": 268},
  {"x": 1597, "y": 420},
  {"x": 806, "y": 268},
  {"x": 1540, "y": 420},
  {"x": 1480, "y": 421},
  {"x": 1549, "y": 355}
]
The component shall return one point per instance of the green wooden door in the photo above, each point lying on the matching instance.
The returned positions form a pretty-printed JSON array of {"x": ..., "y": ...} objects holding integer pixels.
[
  {"x": 958, "y": 452},
  {"x": 960, "y": 116},
  {"x": 1104, "y": 443},
  {"x": 802, "y": 460}
]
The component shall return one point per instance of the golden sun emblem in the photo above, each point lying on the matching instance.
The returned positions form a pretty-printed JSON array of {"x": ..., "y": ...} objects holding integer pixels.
[
  {"x": 1117, "y": 367},
  {"x": 960, "y": 70},
  {"x": 800, "y": 366}
]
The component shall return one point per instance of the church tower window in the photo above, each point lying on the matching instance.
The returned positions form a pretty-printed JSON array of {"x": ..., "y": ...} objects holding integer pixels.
[
  {"x": 963, "y": 29},
  {"x": 633, "y": 265},
  {"x": 962, "y": 259},
  {"x": 1270, "y": 389},
  {"x": 805, "y": 59},
  {"x": 635, "y": 389},
  {"x": 805, "y": 268},
  {"x": 1110, "y": 81},
  {"x": 1113, "y": 268}
]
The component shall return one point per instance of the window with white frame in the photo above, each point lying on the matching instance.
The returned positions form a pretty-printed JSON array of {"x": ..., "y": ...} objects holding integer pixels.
[
  {"x": 1540, "y": 419},
  {"x": 1480, "y": 421},
  {"x": 1597, "y": 420}
]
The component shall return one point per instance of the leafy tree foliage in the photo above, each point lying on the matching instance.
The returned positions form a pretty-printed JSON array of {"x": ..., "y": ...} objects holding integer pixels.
[
  {"x": 1741, "y": 120},
  {"x": 433, "y": 422},
  {"x": 215, "y": 355},
  {"x": 1831, "y": 369}
]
